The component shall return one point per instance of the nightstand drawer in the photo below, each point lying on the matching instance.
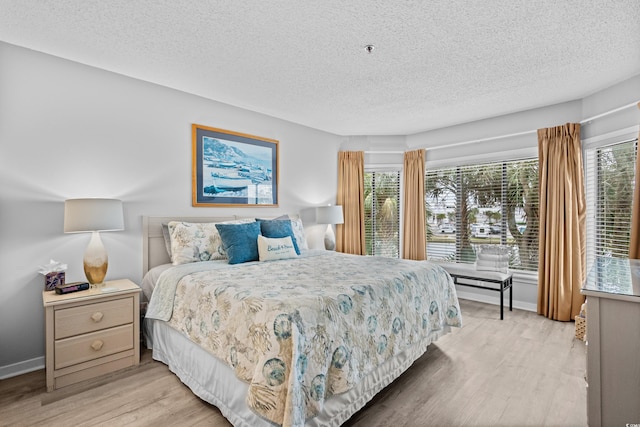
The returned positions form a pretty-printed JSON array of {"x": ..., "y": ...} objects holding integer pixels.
[
  {"x": 71, "y": 351},
  {"x": 93, "y": 317}
]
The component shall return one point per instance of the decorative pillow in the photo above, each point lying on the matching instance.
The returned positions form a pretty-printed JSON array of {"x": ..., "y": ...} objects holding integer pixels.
[
  {"x": 495, "y": 250},
  {"x": 240, "y": 241},
  {"x": 493, "y": 258},
  {"x": 298, "y": 234},
  {"x": 278, "y": 228},
  {"x": 272, "y": 249},
  {"x": 194, "y": 242}
]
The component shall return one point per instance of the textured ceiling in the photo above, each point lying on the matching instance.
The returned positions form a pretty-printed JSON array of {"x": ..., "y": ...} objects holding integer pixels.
[{"x": 435, "y": 63}]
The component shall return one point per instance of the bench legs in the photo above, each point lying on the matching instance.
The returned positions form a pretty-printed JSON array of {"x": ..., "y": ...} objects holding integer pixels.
[
  {"x": 507, "y": 284},
  {"x": 511, "y": 294},
  {"x": 501, "y": 302},
  {"x": 504, "y": 285}
]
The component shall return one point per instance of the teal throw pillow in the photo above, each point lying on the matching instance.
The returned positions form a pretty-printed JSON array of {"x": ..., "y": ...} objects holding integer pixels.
[{"x": 240, "y": 241}]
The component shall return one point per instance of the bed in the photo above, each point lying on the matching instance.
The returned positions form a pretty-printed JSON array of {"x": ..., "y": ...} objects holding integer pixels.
[{"x": 307, "y": 338}]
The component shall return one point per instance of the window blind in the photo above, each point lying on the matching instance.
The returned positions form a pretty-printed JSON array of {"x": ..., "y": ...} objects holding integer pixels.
[
  {"x": 382, "y": 213},
  {"x": 610, "y": 174},
  {"x": 491, "y": 203}
]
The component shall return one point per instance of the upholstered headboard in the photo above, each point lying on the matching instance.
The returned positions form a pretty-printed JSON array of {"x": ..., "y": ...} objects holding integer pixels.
[{"x": 154, "y": 251}]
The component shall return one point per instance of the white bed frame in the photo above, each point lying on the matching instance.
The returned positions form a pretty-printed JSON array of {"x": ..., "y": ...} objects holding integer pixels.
[{"x": 337, "y": 409}]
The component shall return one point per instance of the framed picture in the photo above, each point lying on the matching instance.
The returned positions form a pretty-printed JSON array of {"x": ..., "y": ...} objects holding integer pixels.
[{"x": 233, "y": 169}]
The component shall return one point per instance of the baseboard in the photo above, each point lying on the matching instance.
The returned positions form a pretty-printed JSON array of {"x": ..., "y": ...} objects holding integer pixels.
[
  {"x": 495, "y": 300},
  {"x": 20, "y": 368}
]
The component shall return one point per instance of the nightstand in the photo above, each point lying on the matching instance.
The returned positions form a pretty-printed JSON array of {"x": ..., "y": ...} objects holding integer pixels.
[{"x": 91, "y": 333}]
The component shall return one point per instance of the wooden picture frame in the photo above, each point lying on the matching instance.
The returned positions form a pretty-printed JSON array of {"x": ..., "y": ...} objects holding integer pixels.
[{"x": 233, "y": 169}]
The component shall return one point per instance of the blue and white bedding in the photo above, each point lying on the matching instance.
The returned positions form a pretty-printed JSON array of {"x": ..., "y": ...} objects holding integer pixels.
[{"x": 300, "y": 330}]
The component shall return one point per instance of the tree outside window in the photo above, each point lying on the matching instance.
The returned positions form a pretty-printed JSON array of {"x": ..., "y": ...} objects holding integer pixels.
[
  {"x": 610, "y": 183},
  {"x": 495, "y": 203},
  {"x": 382, "y": 213}
]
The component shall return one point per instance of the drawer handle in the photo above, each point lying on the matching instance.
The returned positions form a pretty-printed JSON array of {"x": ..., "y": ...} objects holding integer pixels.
[
  {"x": 97, "y": 316},
  {"x": 97, "y": 345}
]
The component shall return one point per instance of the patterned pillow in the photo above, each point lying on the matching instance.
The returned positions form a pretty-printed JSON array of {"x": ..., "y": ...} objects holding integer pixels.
[
  {"x": 193, "y": 242},
  {"x": 272, "y": 249},
  {"x": 298, "y": 234},
  {"x": 277, "y": 229},
  {"x": 240, "y": 241}
]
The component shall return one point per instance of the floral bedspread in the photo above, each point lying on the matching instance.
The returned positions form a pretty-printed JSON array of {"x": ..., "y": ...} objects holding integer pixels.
[{"x": 300, "y": 330}]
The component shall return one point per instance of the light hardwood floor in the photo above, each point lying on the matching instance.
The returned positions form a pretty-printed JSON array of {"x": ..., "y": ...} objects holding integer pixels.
[{"x": 524, "y": 370}]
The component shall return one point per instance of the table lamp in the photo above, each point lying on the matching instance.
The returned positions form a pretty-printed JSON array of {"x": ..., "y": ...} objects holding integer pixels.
[
  {"x": 329, "y": 215},
  {"x": 94, "y": 215}
]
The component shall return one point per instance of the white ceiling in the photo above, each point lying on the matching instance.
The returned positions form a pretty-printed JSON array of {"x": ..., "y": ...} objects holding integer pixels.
[{"x": 435, "y": 63}]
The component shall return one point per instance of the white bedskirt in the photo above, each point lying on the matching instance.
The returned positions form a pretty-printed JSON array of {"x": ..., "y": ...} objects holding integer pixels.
[{"x": 217, "y": 384}]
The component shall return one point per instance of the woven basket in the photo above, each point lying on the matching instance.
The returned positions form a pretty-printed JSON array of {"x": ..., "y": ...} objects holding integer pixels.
[{"x": 581, "y": 328}]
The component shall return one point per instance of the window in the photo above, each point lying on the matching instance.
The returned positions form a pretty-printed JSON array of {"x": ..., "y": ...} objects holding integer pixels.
[
  {"x": 493, "y": 203},
  {"x": 610, "y": 172},
  {"x": 382, "y": 213}
]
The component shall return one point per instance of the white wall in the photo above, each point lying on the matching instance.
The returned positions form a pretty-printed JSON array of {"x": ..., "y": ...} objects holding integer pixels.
[{"x": 69, "y": 130}]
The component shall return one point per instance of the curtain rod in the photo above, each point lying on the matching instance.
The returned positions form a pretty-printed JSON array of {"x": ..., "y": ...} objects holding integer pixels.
[
  {"x": 511, "y": 135},
  {"x": 606, "y": 113},
  {"x": 489, "y": 138}
]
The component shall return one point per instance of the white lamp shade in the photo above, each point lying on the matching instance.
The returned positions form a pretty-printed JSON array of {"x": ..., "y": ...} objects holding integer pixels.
[
  {"x": 329, "y": 215},
  {"x": 82, "y": 215}
]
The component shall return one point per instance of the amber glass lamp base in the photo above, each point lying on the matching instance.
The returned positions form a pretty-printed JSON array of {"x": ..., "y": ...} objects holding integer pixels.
[{"x": 95, "y": 261}]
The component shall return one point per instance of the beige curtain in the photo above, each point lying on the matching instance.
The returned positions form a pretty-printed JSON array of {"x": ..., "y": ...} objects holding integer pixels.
[
  {"x": 414, "y": 233},
  {"x": 562, "y": 246},
  {"x": 634, "y": 244},
  {"x": 350, "y": 235}
]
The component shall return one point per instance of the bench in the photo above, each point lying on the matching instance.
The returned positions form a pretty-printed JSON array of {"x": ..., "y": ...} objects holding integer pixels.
[{"x": 469, "y": 272}]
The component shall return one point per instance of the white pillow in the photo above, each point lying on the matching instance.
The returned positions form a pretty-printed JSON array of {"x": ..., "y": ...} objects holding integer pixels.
[
  {"x": 298, "y": 233},
  {"x": 486, "y": 265},
  {"x": 270, "y": 249},
  {"x": 493, "y": 258},
  {"x": 495, "y": 250}
]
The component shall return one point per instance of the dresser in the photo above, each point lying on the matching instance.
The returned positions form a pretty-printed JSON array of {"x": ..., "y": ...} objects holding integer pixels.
[
  {"x": 613, "y": 342},
  {"x": 91, "y": 333}
]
